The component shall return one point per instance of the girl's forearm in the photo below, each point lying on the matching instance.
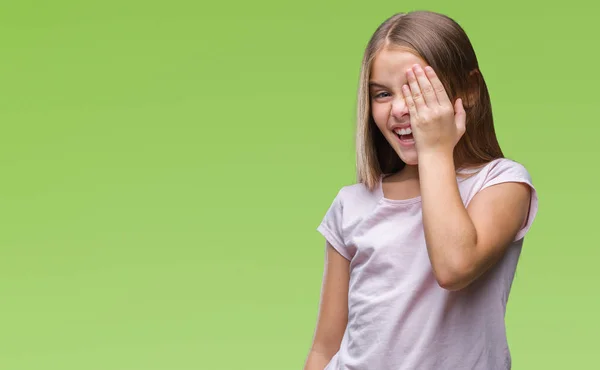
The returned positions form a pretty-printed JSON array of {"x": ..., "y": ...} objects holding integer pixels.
[
  {"x": 449, "y": 231},
  {"x": 316, "y": 360}
]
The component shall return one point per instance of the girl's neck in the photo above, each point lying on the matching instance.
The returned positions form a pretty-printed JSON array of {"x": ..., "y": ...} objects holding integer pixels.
[{"x": 409, "y": 172}]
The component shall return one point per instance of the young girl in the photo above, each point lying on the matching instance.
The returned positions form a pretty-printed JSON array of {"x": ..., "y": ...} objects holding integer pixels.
[{"x": 422, "y": 251}]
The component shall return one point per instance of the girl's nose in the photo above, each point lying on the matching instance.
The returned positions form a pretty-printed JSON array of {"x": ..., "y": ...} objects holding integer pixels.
[{"x": 399, "y": 108}]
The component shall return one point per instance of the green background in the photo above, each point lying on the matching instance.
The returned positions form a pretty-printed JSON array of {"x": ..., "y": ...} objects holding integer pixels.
[{"x": 165, "y": 165}]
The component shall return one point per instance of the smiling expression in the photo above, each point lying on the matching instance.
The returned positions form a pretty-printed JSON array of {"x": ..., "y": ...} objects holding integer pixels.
[{"x": 388, "y": 107}]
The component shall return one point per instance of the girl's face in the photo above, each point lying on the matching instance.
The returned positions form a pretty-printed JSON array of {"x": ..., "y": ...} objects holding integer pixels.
[{"x": 388, "y": 107}]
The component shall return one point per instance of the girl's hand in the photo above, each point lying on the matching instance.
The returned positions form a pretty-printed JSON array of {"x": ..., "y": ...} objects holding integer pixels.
[{"x": 436, "y": 123}]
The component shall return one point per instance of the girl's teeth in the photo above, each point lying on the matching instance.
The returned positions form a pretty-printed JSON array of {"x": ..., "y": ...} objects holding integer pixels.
[{"x": 403, "y": 131}]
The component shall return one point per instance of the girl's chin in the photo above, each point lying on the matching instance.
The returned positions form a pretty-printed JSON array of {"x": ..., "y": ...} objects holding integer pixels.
[{"x": 408, "y": 158}]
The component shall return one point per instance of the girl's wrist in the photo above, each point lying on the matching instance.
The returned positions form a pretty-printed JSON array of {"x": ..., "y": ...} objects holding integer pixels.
[{"x": 436, "y": 157}]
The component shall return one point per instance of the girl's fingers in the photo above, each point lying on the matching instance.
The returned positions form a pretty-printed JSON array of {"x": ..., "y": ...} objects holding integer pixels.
[
  {"x": 408, "y": 98},
  {"x": 417, "y": 96},
  {"x": 438, "y": 87},
  {"x": 429, "y": 95}
]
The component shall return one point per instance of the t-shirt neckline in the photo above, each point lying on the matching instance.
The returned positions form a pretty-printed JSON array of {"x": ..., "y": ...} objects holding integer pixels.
[{"x": 382, "y": 197}]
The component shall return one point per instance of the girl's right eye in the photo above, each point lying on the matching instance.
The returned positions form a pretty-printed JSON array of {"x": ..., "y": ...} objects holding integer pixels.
[{"x": 381, "y": 95}]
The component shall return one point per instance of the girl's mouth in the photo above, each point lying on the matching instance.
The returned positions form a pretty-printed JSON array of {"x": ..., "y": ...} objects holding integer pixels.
[{"x": 405, "y": 135}]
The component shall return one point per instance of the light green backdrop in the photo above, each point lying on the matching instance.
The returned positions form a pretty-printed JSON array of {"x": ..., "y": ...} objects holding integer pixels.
[{"x": 165, "y": 164}]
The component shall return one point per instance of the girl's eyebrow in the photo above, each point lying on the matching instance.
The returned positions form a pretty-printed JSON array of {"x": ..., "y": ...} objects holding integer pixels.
[{"x": 376, "y": 84}]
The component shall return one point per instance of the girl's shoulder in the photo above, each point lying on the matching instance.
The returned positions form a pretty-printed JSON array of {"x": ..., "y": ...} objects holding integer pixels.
[
  {"x": 357, "y": 193},
  {"x": 497, "y": 171},
  {"x": 500, "y": 167}
]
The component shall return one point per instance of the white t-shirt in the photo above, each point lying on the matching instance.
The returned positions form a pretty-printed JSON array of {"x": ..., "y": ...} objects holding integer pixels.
[{"x": 398, "y": 316}]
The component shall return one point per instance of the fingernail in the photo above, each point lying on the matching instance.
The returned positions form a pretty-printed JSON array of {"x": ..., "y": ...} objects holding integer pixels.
[{"x": 429, "y": 69}]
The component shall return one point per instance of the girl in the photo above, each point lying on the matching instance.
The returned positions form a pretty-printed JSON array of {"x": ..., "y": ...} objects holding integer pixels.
[{"x": 422, "y": 251}]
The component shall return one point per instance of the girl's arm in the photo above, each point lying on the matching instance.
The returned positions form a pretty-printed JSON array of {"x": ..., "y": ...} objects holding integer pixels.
[
  {"x": 333, "y": 311},
  {"x": 464, "y": 242}
]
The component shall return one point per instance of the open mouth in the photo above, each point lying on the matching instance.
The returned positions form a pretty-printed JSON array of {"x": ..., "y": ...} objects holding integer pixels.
[{"x": 404, "y": 134}]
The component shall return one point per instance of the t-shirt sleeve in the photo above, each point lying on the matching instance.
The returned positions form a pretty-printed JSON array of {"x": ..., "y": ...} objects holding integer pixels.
[
  {"x": 331, "y": 226},
  {"x": 509, "y": 171}
]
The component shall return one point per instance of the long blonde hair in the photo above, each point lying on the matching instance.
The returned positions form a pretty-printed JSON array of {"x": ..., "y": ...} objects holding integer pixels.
[{"x": 444, "y": 45}]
